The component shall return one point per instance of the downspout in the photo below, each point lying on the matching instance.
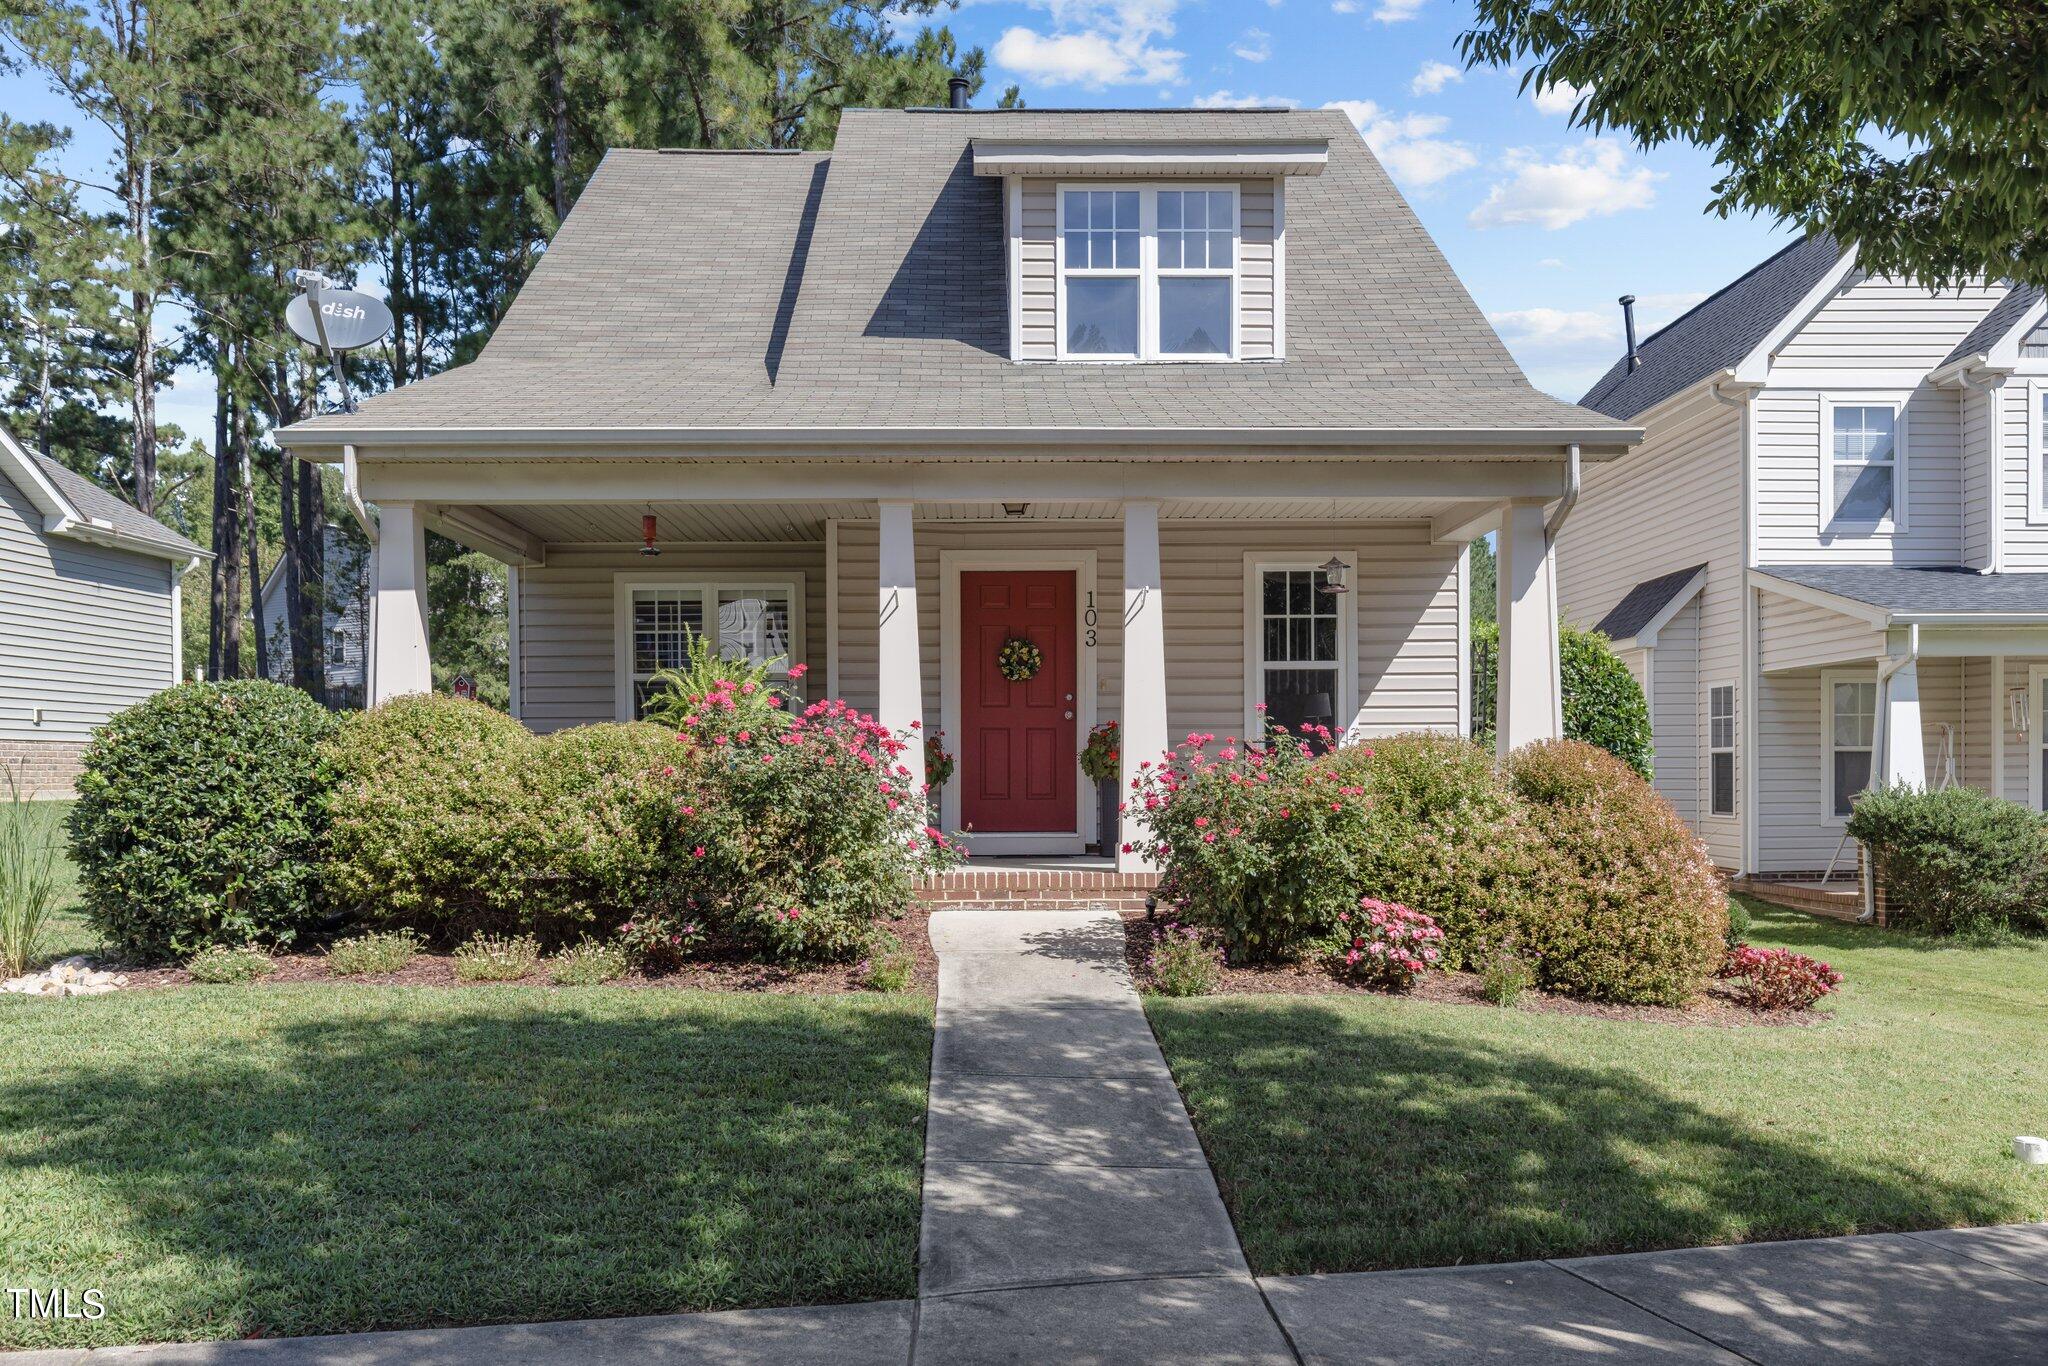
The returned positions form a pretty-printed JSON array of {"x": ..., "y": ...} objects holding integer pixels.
[
  {"x": 1885, "y": 672},
  {"x": 1551, "y": 528}
]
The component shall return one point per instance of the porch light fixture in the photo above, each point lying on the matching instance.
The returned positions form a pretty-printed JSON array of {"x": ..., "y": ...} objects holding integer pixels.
[
  {"x": 1333, "y": 572},
  {"x": 1015, "y": 509},
  {"x": 647, "y": 546}
]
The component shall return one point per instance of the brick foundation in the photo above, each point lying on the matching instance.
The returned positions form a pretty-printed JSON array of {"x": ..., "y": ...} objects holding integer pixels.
[
  {"x": 45, "y": 768},
  {"x": 1037, "y": 889}
]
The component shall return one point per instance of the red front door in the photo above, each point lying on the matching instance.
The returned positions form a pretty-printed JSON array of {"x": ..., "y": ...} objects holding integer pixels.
[{"x": 1018, "y": 754}]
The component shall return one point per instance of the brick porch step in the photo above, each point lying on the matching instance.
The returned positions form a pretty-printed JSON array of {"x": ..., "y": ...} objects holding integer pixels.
[
  {"x": 1038, "y": 887},
  {"x": 1839, "y": 900}
]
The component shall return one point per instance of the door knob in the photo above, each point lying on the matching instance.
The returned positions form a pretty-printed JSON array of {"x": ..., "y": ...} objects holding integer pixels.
[{"x": 1070, "y": 716}]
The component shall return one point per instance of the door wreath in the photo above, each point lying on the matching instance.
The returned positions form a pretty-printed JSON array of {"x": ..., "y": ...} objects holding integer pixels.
[{"x": 1019, "y": 660}]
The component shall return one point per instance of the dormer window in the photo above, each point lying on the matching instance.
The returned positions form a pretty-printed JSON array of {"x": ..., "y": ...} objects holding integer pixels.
[{"x": 1148, "y": 272}]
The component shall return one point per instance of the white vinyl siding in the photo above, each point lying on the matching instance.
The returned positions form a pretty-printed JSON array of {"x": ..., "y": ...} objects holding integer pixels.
[
  {"x": 1795, "y": 522},
  {"x": 2016, "y": 425},
  {"x": 1792, "y": 634},
  {"x": 1878, "y": 324},
  {"x": 1675, "y": 712},
  {"x": 1038, "y": 283},
  {"x": 1258, "y": 270},
  {"x": 85, "y": 631}
]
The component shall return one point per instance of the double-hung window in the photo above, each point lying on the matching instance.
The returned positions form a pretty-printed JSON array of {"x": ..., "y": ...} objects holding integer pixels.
[
  {"x": 657, "y": 620},
  {"x": 1865, "y": 461},
  {"x": 1852, "y": 739},
  {"x": 1301, "y": 651},
  {"x": 1148, "y": 273},
  {"x": 1721, "y": 750},
  {"x": 2037, "y": 444}
]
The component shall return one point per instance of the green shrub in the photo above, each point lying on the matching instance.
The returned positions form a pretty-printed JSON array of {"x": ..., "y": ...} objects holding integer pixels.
[
  {"x": 1956, "y": 861},
  {"x": 200, "y": 819},
  {"x": 497, "y": 958},
  {"x": 378, "y": 952},
  {"x": 1442, "y": 835},
  {"x": 28, "y": 877},
  {"x": 588, "y": 964},
  {"x": 449, "y": 817},
  {"x": 1182, "y": 962},
  {"x": 888, "y": 966},
  {"x": 1621, "y": 902},
  {"x": 218, "y": 963},
  {"x": 1603, "y": 703},
  {"x": 1738, "y": 924},
  {"x": 1505, "y": 976},
  {"x": 714, "y": 695}
]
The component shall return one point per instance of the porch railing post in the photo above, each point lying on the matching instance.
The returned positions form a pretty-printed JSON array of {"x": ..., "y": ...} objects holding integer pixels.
[
  {"x": 1143, "y": 727},
  {"x": 1526, "y": 686},
  {"x": 900, "y": 668},
  {"x": 399, "y": 658}
]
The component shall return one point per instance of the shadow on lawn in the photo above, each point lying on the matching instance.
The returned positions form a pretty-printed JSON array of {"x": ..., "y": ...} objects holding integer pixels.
[
  {"x": 1346, "y": 1142},
  {"x": 423, "y": 1163}
]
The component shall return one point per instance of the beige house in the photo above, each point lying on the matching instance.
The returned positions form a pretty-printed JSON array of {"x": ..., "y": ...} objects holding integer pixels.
[
  {"x": 1826, "y": 561},
  {"x": 1186, "y": 400}
]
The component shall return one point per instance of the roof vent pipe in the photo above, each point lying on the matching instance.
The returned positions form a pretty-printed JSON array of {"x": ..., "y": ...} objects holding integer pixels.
[
  {"x": 957, "y": 89},
  {"x": 1628, "y": 325}
]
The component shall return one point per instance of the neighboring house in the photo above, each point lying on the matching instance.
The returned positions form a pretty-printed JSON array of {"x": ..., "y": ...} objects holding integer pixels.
[
  {"x": 1826, "y": 560},
  {"x": 1124, "y": 385},
  {"x": 345, "y": 625},
  {"x": 89, "y": 613}
]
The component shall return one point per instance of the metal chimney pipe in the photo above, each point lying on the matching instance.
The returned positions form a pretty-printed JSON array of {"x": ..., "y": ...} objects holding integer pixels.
[
  {"x": 957, "y": 89},
  {"x": 1628, "y": 325}
]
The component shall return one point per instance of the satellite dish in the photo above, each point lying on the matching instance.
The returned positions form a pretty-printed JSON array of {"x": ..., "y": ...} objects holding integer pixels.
[{"x": 347, "y": 319}]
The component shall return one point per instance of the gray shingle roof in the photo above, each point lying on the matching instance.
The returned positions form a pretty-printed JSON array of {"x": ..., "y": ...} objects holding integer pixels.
[
  {"x": 96, "y": 504},
  {"x": 2004, "y": 316},
  {"x": 1716, "y": 333},
  {"x": 1909, "y": 591},
  {"x": 1641, "y": 604},
  {"x": 867, "y": 288}
]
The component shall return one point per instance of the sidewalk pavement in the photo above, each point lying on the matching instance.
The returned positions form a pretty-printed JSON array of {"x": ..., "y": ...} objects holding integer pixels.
[{"x": 1069, "y": 1216}]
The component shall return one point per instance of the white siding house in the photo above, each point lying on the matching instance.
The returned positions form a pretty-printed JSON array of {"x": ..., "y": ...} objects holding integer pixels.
[
  {"x": 89, "y": 613},
  {"x": 348, "y": 568},
  {"x": 1859, "y": 465}
]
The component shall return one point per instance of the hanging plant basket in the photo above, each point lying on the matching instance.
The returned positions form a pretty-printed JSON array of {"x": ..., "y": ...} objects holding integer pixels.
[{"x": 1019, "y": 660}]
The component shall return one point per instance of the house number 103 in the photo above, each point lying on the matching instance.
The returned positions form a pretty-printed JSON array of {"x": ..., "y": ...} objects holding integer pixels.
[{"x": 1089, "y": 616}]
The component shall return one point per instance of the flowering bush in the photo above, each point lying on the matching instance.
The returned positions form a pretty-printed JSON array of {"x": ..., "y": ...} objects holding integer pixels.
[
  {"x": 660, "y": 941},
  {"x": 1388, "y": 945},
  {"x": 885, "y": 965},
  {"x": 1258, "y": 842},
  {"x": 1183, "y": 961},
  {"x": 495, "y": 958},
  {"x": 938, "y": 764},
  {"x": 714, "y": 695},
  {"x": 1100, "y": 761},
  {"x": 801, "y": 835},
  {"x": 1778, "y": 979}
]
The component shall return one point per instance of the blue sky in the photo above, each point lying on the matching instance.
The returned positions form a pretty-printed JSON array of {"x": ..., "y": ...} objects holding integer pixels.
[{"x": 1545, "y": 224}]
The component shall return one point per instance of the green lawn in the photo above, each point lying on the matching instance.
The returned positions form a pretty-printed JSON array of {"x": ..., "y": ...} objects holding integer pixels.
[
  {"x": 222, "y": 1161},
  {"x": 1352, "y": 1133}
]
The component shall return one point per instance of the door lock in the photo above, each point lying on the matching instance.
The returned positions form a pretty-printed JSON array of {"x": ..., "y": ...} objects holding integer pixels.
[{"x": 1070, "y": 715}]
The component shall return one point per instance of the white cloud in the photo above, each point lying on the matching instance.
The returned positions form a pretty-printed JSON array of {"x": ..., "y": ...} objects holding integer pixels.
[
  {"x": 1554, "y": 326},
  {"x": 1434, "y": 76},
  {"x": 1396, "y": 11},
  {"x": 1592, "y": 180},
  {"x": 1408, "y": 145},
  {"x": 1551, "y": 263},
  {"x": 1254, "y": 46},
  {"x": 1343, "y": 6},
  {"x": 1230, "y": 99},
  {"x": 1561, "y": 98},
  {"x": 1095, "y": 43},
  {"x": 1563, "y": 350}
]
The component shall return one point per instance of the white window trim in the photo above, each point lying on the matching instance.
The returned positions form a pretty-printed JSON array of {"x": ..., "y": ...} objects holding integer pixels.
[
  {"x": 1735, "y": 728},
  {"x": 1828, "y": 679},
  {"x": 1257, "y": 564},
  {"x": 2035, "y": 392},
  {"x": 1148, "y": 273},
  {"x": 624, "y": 585},
  {"x": 1901, "y": 516},
  {"x": 2035, "y": 736}
]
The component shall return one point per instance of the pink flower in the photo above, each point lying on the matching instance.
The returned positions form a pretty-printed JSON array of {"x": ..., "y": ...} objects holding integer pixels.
[
  {"x": 745, "y": 736},
  {"x": 797, "y": 671},
  {"x": 698, "y": 852}
]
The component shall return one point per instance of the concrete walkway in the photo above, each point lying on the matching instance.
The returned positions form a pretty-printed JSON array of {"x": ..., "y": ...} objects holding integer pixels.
[{"x": 1069, "y": 1217}]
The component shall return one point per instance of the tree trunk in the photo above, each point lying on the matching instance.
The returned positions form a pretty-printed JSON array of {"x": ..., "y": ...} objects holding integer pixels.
[
  {"x": 294, "y": 603},
  {"x": 248, "y": 511},
  {"x": 558, "y": 108},
  {"x": 309, "y": 644},
  {"x": 223, "y": 570}
]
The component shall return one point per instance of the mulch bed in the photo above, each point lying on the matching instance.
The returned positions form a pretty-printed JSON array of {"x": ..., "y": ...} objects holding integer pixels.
[
  {"x": 1719, "y": 1008},
  {"x": 718, "y": 969}
]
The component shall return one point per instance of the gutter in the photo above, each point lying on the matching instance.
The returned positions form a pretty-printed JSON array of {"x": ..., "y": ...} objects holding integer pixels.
[
  {"x": 352, "y": 493},
  {"x": 1885, "y": 672}
]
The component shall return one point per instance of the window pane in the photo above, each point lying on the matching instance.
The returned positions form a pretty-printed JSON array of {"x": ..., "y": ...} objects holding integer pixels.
[
  {"x": 1300, "y": 645},
  {"x": 1275, "y": 599},
  {"x": 1194, "y": 317},
  {"x": 1169, "y": 209},
  {"x": 1102, "y": 317},
  {"x": 1127, "y": 209},
  {"x": 1855, "y": 714},
  {"x": 1863, "y": 434},
  {"x": 1852, "y": 775},
  {"x": 1126, "y": 250},
  {"x": 1276, "y": 641},
  {"x": 1192, "y": 254},
  {"x": 1220, "y": 215},
  {"x": 1219, "y": 250},
  {"x": 663, "y": 622},
  {"x": 1077, "y": 208},
  {"x": 1169, "y": 251},
  {"x": 1724, "y": 784},
  {"x": 1077, "y": 250},
  {"x": 1296, "y": 698},
  {"x": 1197, "y": 211},
  {"x": 1863, "y": 495},
  {"x": 753, "y": 626},
  {"x": 1101, "y": 249},
  {"x": 1326, "y": 639},
  {"x": 1300, "y": 596}
]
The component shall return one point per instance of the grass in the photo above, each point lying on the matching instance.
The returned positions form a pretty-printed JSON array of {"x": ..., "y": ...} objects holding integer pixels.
[
  {"x": 1354, "y": 1133},
  {"x": 223, "y": 1162}
]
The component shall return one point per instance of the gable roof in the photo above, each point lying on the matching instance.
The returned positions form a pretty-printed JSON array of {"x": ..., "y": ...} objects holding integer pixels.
[
  {"x": 865, "y": 290},
  {"x": 1646, "y": 602},
  {"x": 73, "y": 505},
  {"x": 1716, "y": 333},
  {"x": 2004, "y": 316}
]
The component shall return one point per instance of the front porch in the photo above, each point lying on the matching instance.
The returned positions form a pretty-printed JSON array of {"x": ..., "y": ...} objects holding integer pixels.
[{"x": 1211, "y": 610}]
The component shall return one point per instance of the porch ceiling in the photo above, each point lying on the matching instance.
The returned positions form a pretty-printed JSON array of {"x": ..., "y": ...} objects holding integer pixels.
[{"x": 619, "y": 523}]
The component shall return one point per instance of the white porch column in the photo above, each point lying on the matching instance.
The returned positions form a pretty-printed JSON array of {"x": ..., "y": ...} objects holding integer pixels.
[
  {"x": 899, "y": 701},
  {"x": 1905, "y": 746},
  {"x": 1142, "y": 734},
  {"x": 1998, "y": 725},
  {"x": 1528, "y": 697},
  {"x": 399, "y": 663}
]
